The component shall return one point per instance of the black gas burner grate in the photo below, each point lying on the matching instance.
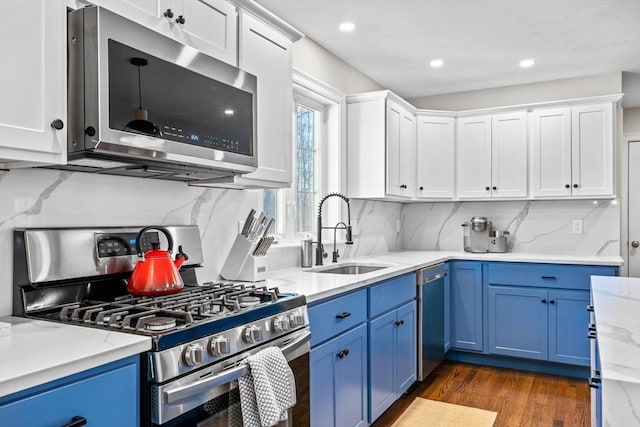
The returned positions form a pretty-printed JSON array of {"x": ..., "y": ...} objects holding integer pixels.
[{"x": 161, "y": 314}]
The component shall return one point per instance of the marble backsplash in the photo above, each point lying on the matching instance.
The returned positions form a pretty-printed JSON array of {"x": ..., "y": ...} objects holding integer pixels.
[
  {"x": 50, "y": 198},
  {"x": 534, "y": 226}
]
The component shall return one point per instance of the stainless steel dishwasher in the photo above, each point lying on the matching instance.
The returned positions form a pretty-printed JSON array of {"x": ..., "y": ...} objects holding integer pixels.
[{"x": 430, "y": 283}]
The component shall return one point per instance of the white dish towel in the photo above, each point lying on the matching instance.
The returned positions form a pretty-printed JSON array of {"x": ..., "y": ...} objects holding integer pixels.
[{"x": 268, "y": 390}]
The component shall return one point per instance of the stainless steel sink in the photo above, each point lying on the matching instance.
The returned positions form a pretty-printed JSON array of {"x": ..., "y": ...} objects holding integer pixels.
[{"x": 352, "y": 269}]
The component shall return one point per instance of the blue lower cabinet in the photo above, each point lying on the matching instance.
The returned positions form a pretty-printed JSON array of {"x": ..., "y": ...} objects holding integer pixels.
[
  {"x": 339, "y": 380},
  {"x": 466, "y": 305},
  {"x": 447, "y": 307},
  {"x": 392, "y": 357},
  {"x": 106, "y": 396},
  {"x": 568, "y": 317},
  {"x": 518, "y": 321}
]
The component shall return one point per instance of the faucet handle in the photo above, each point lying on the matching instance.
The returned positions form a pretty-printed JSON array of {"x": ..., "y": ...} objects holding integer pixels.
[{"x": 336, "y": 255}]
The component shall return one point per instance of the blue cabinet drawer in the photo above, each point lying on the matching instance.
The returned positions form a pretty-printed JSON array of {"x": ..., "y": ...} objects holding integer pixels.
[
  {"x": 104, "y": 399},
  {"x": 333, "y": 317},
  {"x": 546, "y": 275},
  {"x": 391, "y": 293}
]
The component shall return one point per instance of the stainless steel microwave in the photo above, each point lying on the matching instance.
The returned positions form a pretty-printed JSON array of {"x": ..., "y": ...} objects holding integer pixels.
[{"x": 142, "y": 104}]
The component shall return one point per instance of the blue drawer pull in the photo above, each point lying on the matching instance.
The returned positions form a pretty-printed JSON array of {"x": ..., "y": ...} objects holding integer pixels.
[
  {"x": 343, "y": 315},
  {"x": 549, "y": 277},
  {"x": 76, "y": 421}
]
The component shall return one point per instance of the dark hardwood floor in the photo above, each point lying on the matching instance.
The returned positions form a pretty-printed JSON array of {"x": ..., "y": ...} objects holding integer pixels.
[{"x": 520, "y": 398}]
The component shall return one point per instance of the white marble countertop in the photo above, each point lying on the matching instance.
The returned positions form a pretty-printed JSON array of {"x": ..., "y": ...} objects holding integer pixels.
[
  {"x": 318, "y": 286},
  {"x": 617, "y": 309},
  {"x": 34, "y": 352}
]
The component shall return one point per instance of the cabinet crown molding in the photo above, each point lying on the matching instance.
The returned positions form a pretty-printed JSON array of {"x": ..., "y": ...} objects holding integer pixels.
[
  {"x": 269, "y": 18},
  {"x": 381, "y": 95}
]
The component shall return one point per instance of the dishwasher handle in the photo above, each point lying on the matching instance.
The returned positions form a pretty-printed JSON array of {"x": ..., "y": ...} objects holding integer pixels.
[{"x": 433, "y": 278}]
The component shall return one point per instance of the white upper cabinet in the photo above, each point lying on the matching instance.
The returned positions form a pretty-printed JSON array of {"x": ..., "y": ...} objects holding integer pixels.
[
  {"x": 266, "y": 53},
  {"x": 33, "y": 84},
  {"x": 435, "y": 161},
  {"x": 509, "y": 155},
  {"x": 401, "y": 140},
  {"x": 492, "y": 156},
  {"x": 572, "y": 153},
  {"x": 551, "y": 152},
  {"x": 381, "y": 137},
  {"x": 207, "y": 25},
  {"x": 473, "y": 164},
  {"x": 592, "y": 150}
]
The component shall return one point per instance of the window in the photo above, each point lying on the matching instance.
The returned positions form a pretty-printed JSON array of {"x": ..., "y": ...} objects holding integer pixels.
[
  {"x": 295, "y": 208},
  {"x": 316, "y": 162}
]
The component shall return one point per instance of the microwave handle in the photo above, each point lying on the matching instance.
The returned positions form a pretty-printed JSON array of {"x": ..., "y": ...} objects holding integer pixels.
[{"x": 225, "y": 376}]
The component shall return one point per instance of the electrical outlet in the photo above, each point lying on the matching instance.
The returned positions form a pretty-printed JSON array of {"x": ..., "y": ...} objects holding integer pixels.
[
  {"x": 576, "y": 228},
  {"x": 398, "y": 225}
]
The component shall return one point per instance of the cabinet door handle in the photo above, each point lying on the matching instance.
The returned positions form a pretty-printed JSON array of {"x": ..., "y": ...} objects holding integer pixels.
[
  {"x": 403, "y": 186},
  {"x": 340, "y": 355},
  {"x": 487, "y": 188},
  {"x": 399, "y": 323},
  {"x": 548, "y": 277},
  {"x": 590, "y": 308},
  {"x": 592, "y": 335},
  {"x": 575, "y": 185},
  {"x": 76, "y": 421},
  {"x": 343, "y": 315},
  {"x": 57, "y": 124},
  {"x": 552, "y": 301},
  {"x": 168, "y": 13},
  {"x": 346, "y": 351},
  {"x": 567, "y": 186},
  {"x": 593, "y": 383},
  {"x": 421, "y": 188},
  {"x": 543, "y": 300},
  {"x": 494, "y": 188},
  {"x": 180, "y": 19}
]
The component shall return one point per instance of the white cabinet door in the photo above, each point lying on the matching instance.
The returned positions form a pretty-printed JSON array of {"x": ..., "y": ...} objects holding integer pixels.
[
  {"x": 435, "y": 162},
  {"x": 209, "y": 26},
  {"x": 474, "y": 157},
  {"x": 551, "y": 152},
  {"x": 401, "y": 138},
  {"x": 592, "y": 150},
  {"x": 145, "y": 12},
  {"x": 509, "y": 155},
  {"x": 266, "y": 53},
  {"x": 33, "y": 82}
]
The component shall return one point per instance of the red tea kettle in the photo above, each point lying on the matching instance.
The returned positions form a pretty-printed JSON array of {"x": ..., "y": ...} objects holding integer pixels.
[{"x": 156, "y": 273}]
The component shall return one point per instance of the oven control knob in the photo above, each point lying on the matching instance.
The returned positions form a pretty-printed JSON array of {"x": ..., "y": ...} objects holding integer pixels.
[
  {"x": 219, "y": 346},
  {"x": 281, "y": 324},
  {"x": 296, "y": 319},
  {"x": 193, "y": 354},
  {"x": 252, "y": 334}
]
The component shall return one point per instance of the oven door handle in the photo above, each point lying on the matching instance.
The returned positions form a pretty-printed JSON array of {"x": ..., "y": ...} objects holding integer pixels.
[{"x": 226, "y": 376}]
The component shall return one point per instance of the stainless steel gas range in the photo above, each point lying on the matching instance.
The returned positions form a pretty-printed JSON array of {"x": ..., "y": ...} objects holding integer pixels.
[{"x": 200, "y": 335}]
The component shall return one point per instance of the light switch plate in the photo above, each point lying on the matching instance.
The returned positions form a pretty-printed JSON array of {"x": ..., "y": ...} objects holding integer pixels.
[{"x": 576, "y": 227}]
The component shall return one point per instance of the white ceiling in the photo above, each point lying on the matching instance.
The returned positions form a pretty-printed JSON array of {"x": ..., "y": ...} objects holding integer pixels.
[{"x": 481, "y": 41}]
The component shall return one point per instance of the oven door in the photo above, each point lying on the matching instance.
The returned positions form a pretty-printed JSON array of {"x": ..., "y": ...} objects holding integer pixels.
[{"x": 210, "y": 398}]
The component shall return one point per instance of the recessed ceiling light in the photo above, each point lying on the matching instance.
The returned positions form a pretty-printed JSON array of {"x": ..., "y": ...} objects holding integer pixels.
[
  {"x": 436, "y": 63},
  {"x": 347, "y": 26},
  {"x": 526, "y": 63},
  {"x": 229, "y": 112}
]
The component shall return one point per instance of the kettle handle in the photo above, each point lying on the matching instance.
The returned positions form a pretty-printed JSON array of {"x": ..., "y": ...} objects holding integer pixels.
[{"x": 153, "y": 227}]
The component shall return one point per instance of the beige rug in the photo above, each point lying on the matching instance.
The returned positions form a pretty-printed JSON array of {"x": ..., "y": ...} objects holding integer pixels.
[{"x": 423, "y": 412}]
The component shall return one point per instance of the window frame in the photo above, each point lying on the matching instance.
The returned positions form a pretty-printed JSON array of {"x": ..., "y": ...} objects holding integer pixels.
[{"x": 330, "y": 154}]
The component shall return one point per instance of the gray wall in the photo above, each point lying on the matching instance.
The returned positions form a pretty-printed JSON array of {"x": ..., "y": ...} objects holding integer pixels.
[
  {"x": 315, "y": 61},
  {"x": 579, "y": 87},
  {"x": 631, "y": 120}
]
